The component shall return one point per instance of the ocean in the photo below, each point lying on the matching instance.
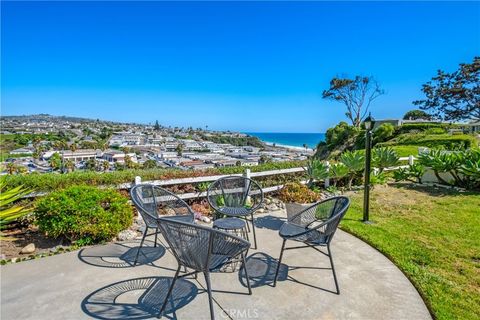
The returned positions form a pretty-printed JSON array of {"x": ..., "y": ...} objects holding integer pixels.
[{"x": 290, "y": 139}]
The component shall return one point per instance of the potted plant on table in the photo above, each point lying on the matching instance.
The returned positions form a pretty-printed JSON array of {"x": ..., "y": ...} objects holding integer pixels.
[{"x": 297, "y": 197}]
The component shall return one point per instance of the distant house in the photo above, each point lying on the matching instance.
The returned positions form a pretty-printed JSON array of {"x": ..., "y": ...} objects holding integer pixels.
[
  {"x": 25, "y": 150},
  {"x": 117, "y": 156},
  {"x": 473, "y": 127},
  {"x": 80, "y": 155}
]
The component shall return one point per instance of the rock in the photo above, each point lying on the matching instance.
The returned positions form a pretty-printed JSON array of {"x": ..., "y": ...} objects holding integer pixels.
[
  {"x": 268, "y": 200},
  {"x": 206, "y": 219},
  {"x": 126, "y": 235},
  {"x": 29, "y": 248},
  {"x": 272, "y": 207},
  {"x": 261, "y": 210},
  {"x": 14, "y": 260}
]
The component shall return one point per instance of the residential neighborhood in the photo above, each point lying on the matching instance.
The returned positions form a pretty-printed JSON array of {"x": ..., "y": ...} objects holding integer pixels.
[{"x": 45, "y": 143}]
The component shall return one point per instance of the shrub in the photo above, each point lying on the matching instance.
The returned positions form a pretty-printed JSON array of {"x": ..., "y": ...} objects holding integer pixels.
[
  {"x": 340, "y": 134},
  {"x": 383, "y": 133},
  {"x": 54, "y": 181},
  {"x": 83, "y": 214},
  {"x": 295, "y": 192}
]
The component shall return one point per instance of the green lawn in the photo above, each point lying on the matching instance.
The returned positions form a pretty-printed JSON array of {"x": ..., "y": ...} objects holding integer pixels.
[
  {"x": 406, "y": 150},
  {"x": 433, "y": 236}
]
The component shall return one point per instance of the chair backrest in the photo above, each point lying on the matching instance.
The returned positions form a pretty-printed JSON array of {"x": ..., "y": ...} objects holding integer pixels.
[
  {"x": 153, "y": 202},
  {"x": 324, "y": 216},
  {"x": 235, "y": 192},
  {"x": 199, "y": 247}
]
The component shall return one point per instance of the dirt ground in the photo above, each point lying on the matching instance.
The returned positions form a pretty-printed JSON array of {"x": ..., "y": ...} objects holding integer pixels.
[{"x": 18, "y": 238}]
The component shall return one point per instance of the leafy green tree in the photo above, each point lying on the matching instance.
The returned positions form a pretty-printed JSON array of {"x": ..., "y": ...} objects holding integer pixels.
[
  {"x": 340, "y": 134},
  {"x": 454, "y": 96},
  {"x": 383, "y": 133},
  {"x": 149, "y": 164},
  {"x": 179, "y": 149},
  {"x": 417, "y": 115},
  {"x": 356, "y": 94}
]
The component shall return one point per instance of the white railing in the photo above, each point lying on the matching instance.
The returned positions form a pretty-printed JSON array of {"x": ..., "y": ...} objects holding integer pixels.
[{"x": 247, "y": 173}]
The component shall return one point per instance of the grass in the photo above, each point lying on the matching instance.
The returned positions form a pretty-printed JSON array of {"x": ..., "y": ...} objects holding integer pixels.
[
  {"x": 433, "y": 236},
  {"x": 406, "y": 150}
]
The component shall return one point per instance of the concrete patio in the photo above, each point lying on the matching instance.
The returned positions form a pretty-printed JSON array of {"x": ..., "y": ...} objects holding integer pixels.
[{"x": 99, "y": 282}]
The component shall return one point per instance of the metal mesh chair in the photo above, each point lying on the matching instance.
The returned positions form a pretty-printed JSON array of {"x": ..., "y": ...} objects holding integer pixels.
[
  {"x": 314, "y": 226},
  {"x": 153, "y": 202},
  {"x": 202, "y": 249},
  {"x": 236, "y": 196}
]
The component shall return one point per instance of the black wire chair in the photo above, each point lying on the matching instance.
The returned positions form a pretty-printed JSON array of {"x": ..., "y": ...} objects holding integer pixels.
[
  {"x": 314, "y": 226},
  {"x": 236, "y": 196},
  {"x": 153, "y": 202},
  {"x": 202, "y": 249}
]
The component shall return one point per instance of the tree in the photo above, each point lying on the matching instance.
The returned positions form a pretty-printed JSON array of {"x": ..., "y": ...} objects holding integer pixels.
[
  {"x": 149, "y": 164},
  {"x": 179, "y": 149},
  {"x": 416, "y": 115},
  {"x": 105, "y": 165},
  {"x": 383, "y": 133},
  {"x": 357, "y": 94},
  {"x": 73, "y": 147},
  {"x": 55, "y": 161},
  {"x": 11, "y": 168},
  {"x": 454, "y": 96},
  {"x": 90, "y": 164},
  {"x": 157, "y": 126},
  {"x": 69, "y": 165}
]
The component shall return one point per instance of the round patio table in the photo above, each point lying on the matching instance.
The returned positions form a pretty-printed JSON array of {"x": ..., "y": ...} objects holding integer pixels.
[{"x": 236, "y": 227}]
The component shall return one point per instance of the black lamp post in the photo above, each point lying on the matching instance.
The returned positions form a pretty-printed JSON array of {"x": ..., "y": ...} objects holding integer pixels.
[{"x": 368, "y": 122}]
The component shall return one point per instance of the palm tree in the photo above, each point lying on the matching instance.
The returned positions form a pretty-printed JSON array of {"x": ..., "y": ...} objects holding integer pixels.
[
  {"x": 105, "y": 165},
  {"x": 69, "y": 165},
  {"x": 11, "y": 168},
  {"x": 305, "y": 146}
]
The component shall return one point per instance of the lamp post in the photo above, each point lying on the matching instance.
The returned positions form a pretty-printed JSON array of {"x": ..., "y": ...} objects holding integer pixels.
[{"x": 368, "y": 122}]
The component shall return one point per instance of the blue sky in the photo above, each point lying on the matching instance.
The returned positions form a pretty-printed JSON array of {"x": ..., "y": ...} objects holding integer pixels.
[{"x": 254, "y": 66}]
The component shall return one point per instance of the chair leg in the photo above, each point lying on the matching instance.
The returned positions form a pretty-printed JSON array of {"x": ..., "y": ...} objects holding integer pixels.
[
  {"x": 254, "y": 235},
  {"x": 156, "y": 236},
  {"x": 169, "y": 292},
  {"x": 244, "y": 266},
  {"x": 141, "y": 245},
  {"x": 209, "y": 290},
  {"x": 246, "y": 222},
  {"x": 279, "y": 262},
  {"x": 333, "y": 268}
]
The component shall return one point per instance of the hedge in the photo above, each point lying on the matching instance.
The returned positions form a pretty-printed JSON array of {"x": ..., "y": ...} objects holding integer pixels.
[
  {"x": 405, "y": 128},
  {"x": 54, "y": 181},
  {"x": 451, "y": 142}
]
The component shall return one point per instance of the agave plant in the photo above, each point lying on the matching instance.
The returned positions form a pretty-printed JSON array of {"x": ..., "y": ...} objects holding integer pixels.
[
  {"x": 338, "y": 171},
  {"x": 9, "y": 212},
  {"x": 470, "y": 168},
  {"x": 415, "y": 170},
  {"x": 443, "y": 162},
  {"x": 384, "y": 158},
  {"x": 355, "y": 163},
  {"x": 316, "y": 170}
]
